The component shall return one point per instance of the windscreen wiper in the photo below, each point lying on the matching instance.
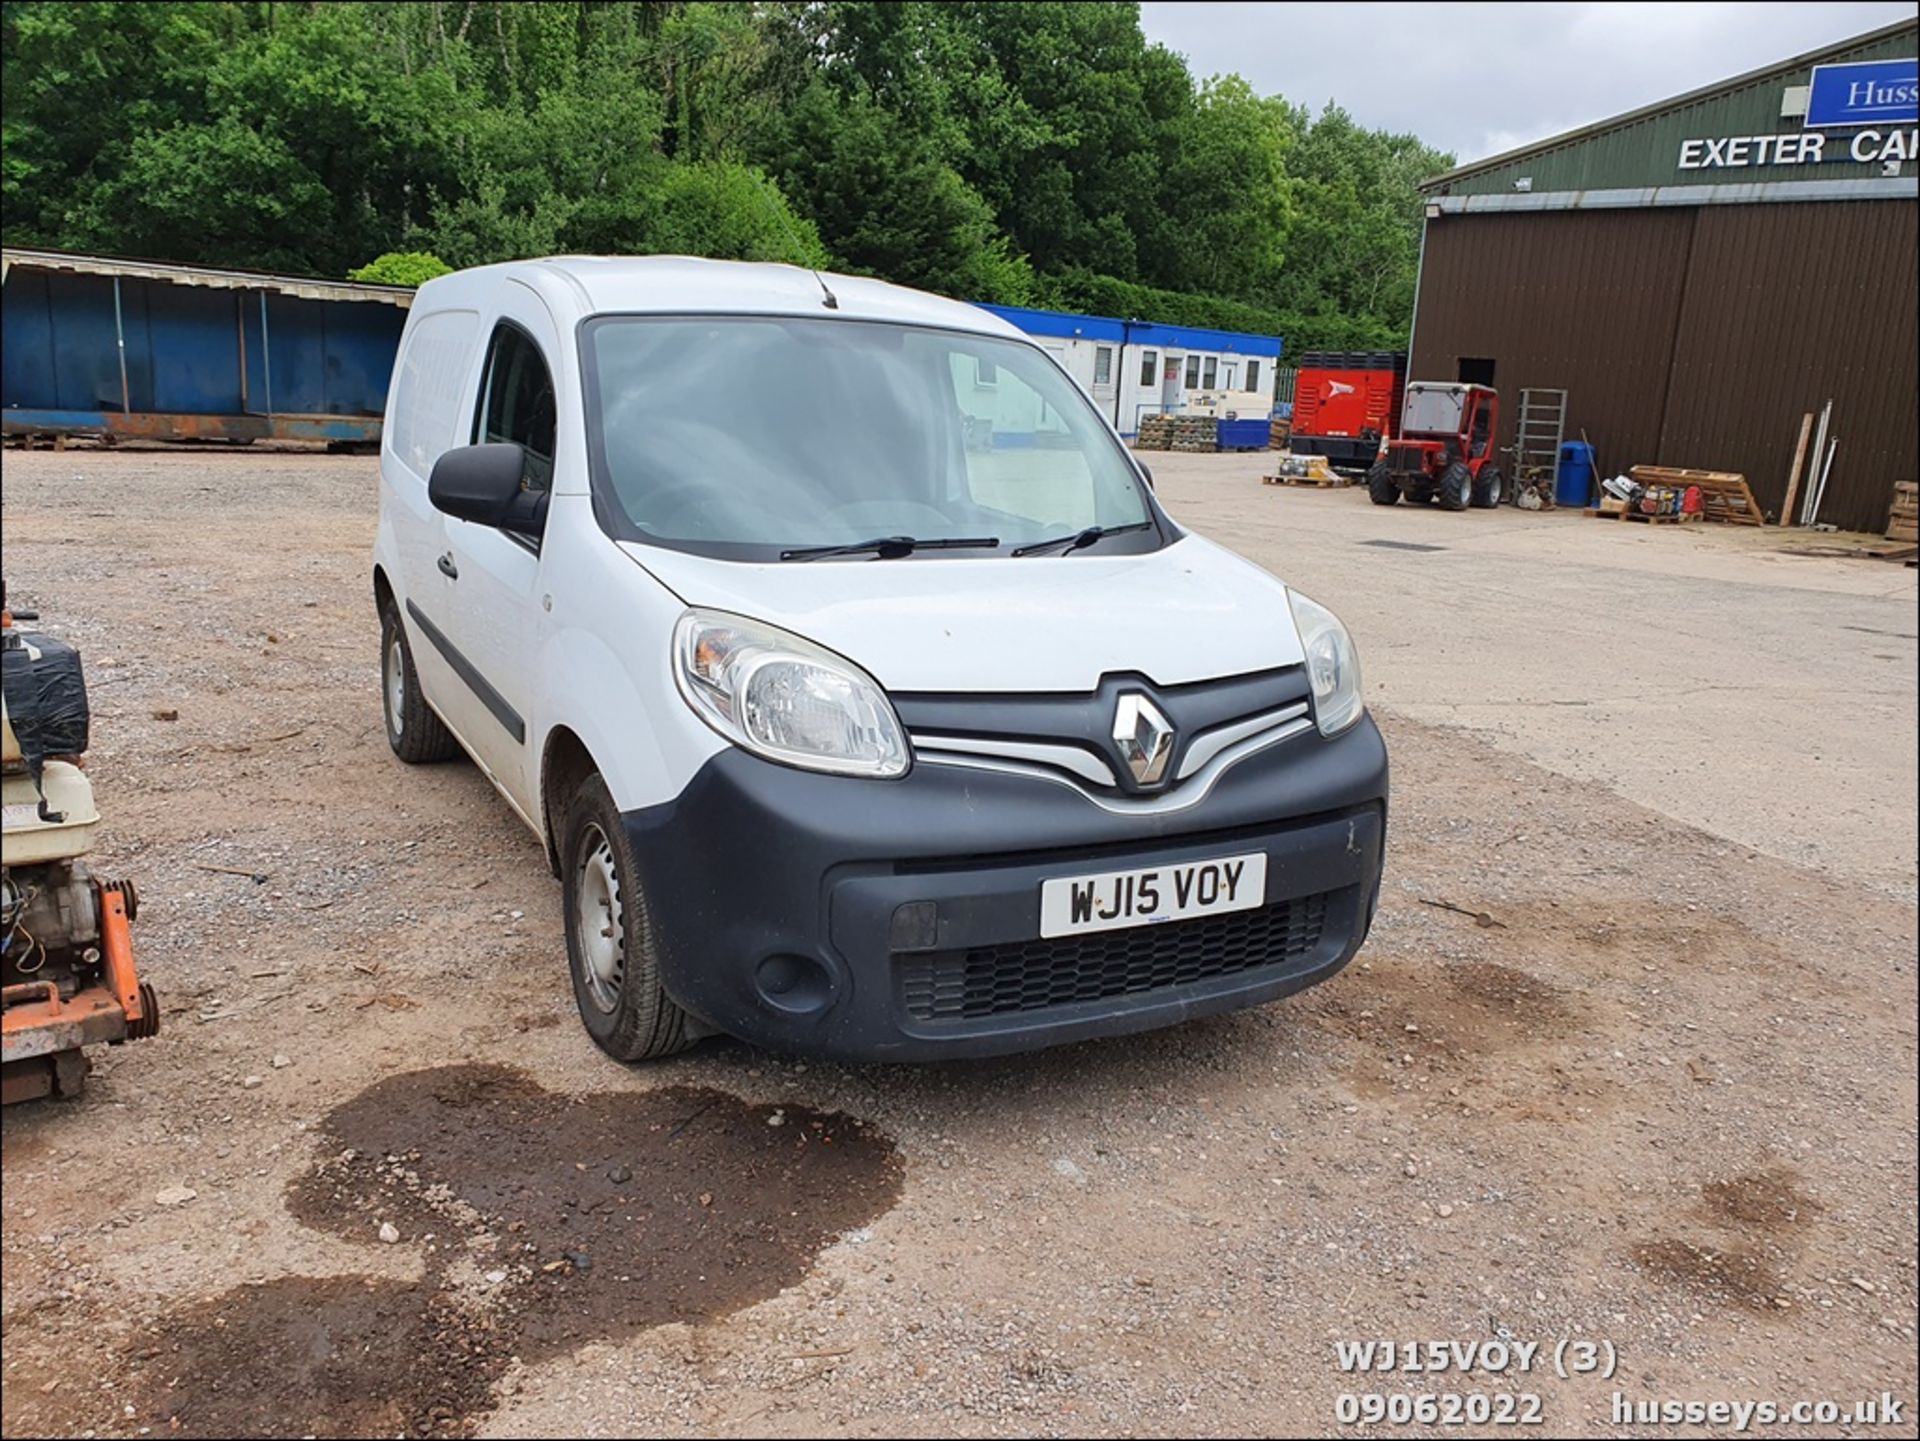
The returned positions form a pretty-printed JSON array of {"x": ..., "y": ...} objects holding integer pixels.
[
  {"x": 892, "y": 547},
  {"x": 1080, "y": 539}
]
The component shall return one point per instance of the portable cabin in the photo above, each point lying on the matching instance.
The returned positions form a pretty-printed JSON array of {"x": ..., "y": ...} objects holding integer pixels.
[{"x": 1133, "y": 368}]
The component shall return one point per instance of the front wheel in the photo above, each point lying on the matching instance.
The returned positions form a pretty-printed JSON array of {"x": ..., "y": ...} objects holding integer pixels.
[
  {"x": 1456, "y": 486},
  {"x": 611, "y": 948},
  {"x": 1382, "y": 488},
  {"x": 1489, "y": 488},
  {"x": 414, "y": 732}
]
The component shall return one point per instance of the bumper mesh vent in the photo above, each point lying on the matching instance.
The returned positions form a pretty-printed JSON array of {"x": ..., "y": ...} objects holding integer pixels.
[{"x": 1035, "y": 975}]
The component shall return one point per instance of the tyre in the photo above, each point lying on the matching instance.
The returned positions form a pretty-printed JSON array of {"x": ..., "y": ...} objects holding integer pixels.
[
  {"x": 1489, "y": 488},
  {"x": 611, "y": 949},
  {"x": 1456, "y": 486},
  {"x": 1382, "y": 488},
  {"x": 414, "y": 732}
]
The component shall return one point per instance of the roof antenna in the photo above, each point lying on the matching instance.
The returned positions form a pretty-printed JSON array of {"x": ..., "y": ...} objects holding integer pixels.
[{"x": 830, "y": 300}]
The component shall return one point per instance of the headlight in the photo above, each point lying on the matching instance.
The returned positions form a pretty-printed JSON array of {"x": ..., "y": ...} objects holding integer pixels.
[
  {"x": 1333, "y": 665},
  {"x": 785, "y": 698}
]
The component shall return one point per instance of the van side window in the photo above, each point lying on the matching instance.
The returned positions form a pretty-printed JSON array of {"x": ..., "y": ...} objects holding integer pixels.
[
  {"x": 517, "y": 403},
  {"x": 429, "y": 388}
]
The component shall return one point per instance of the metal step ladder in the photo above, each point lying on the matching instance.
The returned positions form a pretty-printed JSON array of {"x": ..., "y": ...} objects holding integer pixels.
[{"x": 1538, "y": 430}]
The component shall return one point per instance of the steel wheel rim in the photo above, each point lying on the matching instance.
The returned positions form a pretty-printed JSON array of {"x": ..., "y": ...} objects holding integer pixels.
[
  {"x": 599, "y": 922},
  {"x": 396, "y": 686}
]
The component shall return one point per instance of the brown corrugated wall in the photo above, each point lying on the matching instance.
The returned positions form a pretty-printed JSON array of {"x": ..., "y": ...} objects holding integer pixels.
[{"x": 1697, "y": 337}]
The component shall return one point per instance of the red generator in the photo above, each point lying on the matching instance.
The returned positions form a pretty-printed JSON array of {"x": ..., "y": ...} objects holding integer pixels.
[{"x": 1344, "y": 402}]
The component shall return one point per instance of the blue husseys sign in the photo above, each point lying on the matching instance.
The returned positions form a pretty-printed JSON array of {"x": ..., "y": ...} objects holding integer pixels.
[{"x": 1869, "y": 92}]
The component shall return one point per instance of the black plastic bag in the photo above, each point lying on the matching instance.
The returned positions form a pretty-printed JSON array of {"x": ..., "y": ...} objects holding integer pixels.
[{"x": 46, "y": 696}]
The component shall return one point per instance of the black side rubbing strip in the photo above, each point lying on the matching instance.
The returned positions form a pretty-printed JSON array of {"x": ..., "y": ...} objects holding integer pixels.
[{"x": 495, "y": 703}]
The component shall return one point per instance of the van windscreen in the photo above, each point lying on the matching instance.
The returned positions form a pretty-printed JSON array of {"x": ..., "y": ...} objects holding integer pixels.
[{"x": 743, "y": 436}]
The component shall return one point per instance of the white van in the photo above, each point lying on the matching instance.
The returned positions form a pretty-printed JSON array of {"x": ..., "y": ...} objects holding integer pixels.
[{"x": 865, "y": 700}]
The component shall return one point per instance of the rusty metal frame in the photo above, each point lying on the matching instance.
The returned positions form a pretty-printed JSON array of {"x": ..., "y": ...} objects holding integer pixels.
[{"x": 163, "y": 425}]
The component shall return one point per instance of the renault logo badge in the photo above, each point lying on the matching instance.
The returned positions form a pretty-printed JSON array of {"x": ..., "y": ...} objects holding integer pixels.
[{"x": 1145, "y": 738}]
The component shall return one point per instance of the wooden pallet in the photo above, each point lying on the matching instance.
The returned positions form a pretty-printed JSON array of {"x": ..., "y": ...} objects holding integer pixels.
[
  {"x": 1724, "y": 496},
  {"x": 1903, "y": 520},
  {"x": 1335, "y": 484},
  {"x": 1680, "y": 518}
]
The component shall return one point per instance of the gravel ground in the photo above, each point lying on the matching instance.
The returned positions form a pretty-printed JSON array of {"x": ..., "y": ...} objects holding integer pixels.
[{"x": 1666, "y": 1100}]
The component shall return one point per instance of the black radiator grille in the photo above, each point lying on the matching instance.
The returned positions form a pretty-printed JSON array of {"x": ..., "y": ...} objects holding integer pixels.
[{"x": 1034, "y": 975}]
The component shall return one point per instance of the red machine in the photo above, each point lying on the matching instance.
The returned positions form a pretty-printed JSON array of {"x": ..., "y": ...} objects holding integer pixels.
[
  {"x": 1344, "y": 402},
  {"x": 1444, "y": 451}
]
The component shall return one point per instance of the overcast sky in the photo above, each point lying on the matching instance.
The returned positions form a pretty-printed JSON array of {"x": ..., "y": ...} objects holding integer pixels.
[{"x": 1478, "y": 79}]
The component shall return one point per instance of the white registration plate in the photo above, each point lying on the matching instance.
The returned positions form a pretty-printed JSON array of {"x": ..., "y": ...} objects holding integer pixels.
[{"x": 1107, "y": 902}]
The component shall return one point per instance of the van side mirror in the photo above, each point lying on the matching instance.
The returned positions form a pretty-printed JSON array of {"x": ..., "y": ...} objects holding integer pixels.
[
  {"x": 1146, "y": 473},
  {"x": 481, "y": 483}
]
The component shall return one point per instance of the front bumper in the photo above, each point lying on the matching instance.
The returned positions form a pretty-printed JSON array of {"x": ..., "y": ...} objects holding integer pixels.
[{"x": 899, "y": 920}]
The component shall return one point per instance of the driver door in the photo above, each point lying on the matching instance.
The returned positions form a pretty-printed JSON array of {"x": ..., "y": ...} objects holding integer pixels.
[
  {"x": 490, "y": 579},
  {"x": 1480, "y": 427}
]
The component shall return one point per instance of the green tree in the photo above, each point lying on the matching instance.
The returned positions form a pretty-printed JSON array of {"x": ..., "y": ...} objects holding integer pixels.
[
  {"x": 1354, "y": 238},
  {"x": 729, "y": 211},
  {"x": 79, "y": 83},
  {"x": 988, "y": 150},
  {"x": 886, "y": 206},
  {"x": 1225, "y": 201},
  {"x": 401, "y": 267}
]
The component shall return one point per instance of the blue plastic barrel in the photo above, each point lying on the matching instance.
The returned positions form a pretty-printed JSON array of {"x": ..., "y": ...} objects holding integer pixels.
[{"x": 1573, "y": 482}]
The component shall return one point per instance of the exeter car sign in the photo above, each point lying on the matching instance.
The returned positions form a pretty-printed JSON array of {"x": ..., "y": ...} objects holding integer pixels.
[{"x": 1867, "y": 92}]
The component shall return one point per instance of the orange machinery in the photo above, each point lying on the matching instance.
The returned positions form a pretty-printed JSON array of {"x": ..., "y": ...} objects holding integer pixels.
[{"x": 67, "y": 978}]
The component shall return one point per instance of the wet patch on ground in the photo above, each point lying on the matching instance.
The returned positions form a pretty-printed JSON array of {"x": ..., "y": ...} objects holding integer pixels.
[
  {"x": 1510, "y": 994},
  {"x": 323, "y": 1356},
  {"x": 1473, "y": 1034},
  {"x": 1768, "y": 1200},
  {"x": 543, "y": 1221},
  {"x": 1769, "y": 1213},
  {"x": 1717, "y": 1273},
  {"x": 1446, "y": 1010}
]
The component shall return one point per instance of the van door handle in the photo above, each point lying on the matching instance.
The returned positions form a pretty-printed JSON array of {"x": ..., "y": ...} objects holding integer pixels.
[{"x": 447, "y": 567}]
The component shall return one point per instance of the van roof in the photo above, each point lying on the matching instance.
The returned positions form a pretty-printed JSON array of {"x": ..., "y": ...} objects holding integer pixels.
[{"x": 576, "y": 286}]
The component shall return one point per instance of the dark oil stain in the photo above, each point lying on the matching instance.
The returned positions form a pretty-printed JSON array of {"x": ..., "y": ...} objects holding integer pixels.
[
  {"x": 313, "y": 1356},
  {"x": 607, "y": 1214},
  {"x": 1766, "y": 1200},
  {"x": 1719, "y": 1273}
]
